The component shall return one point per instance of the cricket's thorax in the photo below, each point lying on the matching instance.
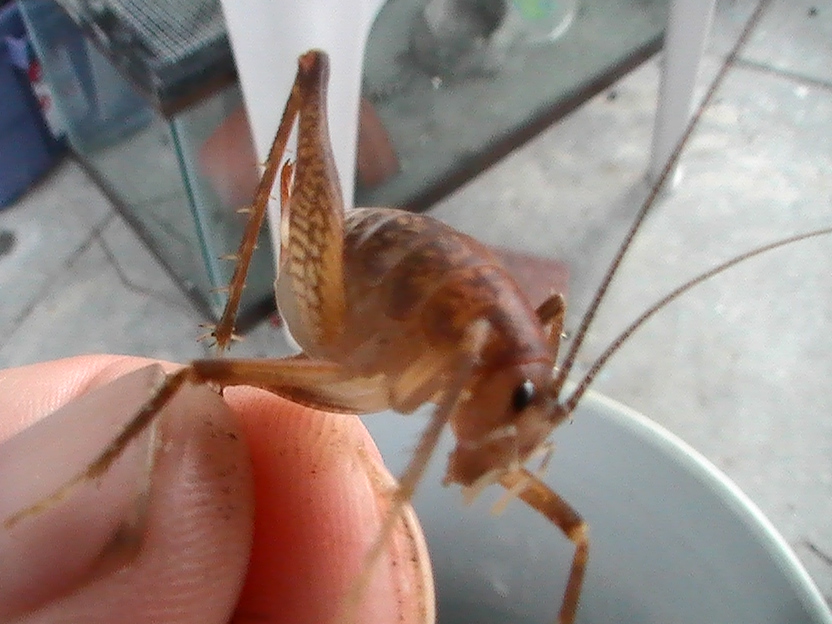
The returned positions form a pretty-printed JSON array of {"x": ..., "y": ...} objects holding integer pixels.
[
  {"x": 424, "y": 277},
  {"x": 432, "y": 285}
]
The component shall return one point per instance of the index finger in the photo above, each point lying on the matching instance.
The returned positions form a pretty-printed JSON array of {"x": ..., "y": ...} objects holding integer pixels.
[{"x": 321, "y": 493}]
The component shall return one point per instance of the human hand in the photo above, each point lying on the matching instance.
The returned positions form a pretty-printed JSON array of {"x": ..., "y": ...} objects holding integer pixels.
[{"x": 256, "y": 509}]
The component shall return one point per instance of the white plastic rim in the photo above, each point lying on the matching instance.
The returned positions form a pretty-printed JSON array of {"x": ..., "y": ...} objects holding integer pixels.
[{"x": 672, "y": 538}]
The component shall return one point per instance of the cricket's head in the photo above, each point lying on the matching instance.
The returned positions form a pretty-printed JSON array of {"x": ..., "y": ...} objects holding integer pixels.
[{"x": 504, "y": 418}]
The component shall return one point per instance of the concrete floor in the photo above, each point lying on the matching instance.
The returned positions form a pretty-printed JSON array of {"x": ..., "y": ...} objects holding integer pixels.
[{"x": 739, "y": 368}]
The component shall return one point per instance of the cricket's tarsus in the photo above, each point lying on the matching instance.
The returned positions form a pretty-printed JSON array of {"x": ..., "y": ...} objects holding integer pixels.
[{"x": 393, "y": 310}]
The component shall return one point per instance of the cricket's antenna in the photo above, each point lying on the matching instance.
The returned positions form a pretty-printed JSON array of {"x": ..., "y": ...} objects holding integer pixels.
[
  {"x": 589, "y": 316},
  {"x": 616, "y": 344}
]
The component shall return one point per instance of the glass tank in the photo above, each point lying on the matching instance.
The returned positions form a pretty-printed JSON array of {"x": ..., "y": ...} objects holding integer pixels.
[
  {"x": 172, "y": 160},
  {"x": 455, "y": 85},
  {"x": 151, "y": 107}
]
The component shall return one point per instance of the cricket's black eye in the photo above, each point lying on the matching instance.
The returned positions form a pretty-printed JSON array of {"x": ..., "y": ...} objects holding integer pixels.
[{"x": 523, "y": 395}]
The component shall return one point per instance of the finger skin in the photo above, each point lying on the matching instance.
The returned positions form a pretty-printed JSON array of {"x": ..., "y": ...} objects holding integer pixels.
[
  {"x": 319, "y": 501},
  {"x": 321, "y": 492},
  {"x": 192, "y": 551}
]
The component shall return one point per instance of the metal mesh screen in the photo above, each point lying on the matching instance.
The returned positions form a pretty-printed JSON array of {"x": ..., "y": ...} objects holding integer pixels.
[{"x": 167, "y": 46}]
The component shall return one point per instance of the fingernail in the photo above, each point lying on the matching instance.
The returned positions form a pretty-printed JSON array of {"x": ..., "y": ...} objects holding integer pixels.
[{"x": 98, "y": 525}]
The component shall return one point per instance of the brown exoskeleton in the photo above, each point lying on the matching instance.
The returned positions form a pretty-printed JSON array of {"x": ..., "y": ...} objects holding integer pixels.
[{"x": 393, "y": 310}]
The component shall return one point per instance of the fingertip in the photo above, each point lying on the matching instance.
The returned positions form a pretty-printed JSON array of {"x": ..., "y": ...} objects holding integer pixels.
[
  {"x": 185, "y": 557},
  {"x": 321, "y": 491}
]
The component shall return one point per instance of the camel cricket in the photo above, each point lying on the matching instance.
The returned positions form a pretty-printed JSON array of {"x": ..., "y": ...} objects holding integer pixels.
[{"x": 393, "y": 310}]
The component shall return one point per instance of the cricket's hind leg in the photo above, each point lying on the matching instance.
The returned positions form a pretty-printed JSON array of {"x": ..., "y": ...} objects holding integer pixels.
[
  {"x": 147, "y": 391},
  {"x": 112, "y": 407},
  {"x": 186, "y": 474}
]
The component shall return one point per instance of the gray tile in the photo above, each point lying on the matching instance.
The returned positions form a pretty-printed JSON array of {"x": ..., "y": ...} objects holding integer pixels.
[
  {"x": 131, "y": 307},
  {"x": 730, "y": 17},
  {"x": 795, "y": 36},
  {"x": 50, "y": 224}
]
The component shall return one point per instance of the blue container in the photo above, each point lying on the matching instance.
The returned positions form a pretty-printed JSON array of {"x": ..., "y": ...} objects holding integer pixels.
[
  {"x": 27, "y": 148},
  {"x": 98, "y": 106}
]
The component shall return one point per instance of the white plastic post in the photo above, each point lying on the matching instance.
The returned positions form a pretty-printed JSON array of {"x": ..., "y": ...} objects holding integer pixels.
[
  {"x": 267, "y": 36},
  {"x": 687, "y": 30}
]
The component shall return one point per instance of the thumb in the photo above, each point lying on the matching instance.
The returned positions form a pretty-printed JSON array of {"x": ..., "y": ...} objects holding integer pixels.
[{"x": 164, "y": 535}]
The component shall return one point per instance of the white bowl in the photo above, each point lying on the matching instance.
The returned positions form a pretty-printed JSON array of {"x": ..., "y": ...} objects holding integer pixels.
[{"x": 673, "y": 541}]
